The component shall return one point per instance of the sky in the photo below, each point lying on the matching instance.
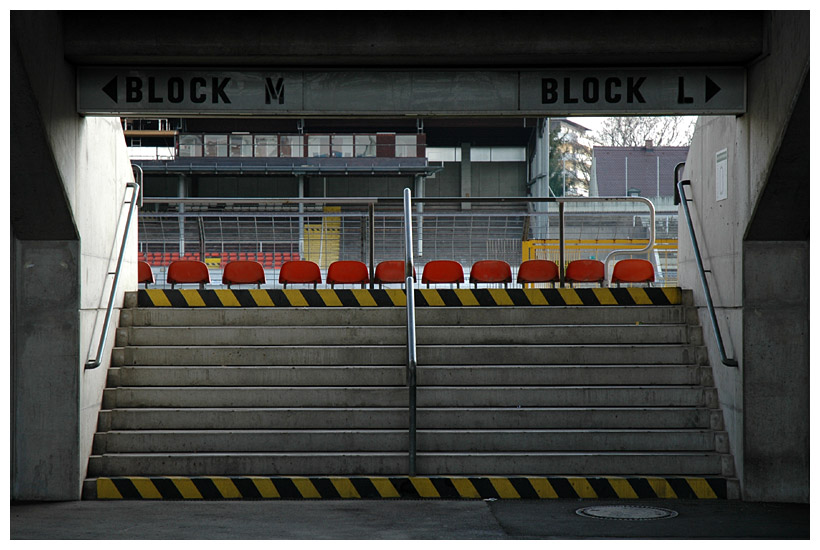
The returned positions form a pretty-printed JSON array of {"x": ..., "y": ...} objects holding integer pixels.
[{"x": 593, "y": 123}]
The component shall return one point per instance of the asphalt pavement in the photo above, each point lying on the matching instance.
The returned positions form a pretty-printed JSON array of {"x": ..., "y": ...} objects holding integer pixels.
[{"x": 407, "y": 519}]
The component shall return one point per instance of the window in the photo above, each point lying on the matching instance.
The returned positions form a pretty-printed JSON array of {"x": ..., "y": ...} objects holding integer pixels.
[
  {"x": 190, "y": 146},
  {"x": 291, "y": 146},
  {"x": 241, "y": 145},
  {"x": 318, "y": 146},
  {"x": 341, "y": 146},
  {"x": 365, "y": 145},
  {"x": 406, "y": 146},
  {"x": 216, "y": 145},
  {"x": 266, "y": 146}
]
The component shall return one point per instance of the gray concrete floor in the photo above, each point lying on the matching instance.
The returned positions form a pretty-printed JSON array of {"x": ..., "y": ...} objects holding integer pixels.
[{"x": 405, "y": 519}]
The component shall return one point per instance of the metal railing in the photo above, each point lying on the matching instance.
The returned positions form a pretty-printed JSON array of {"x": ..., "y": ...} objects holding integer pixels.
[
  {"x": 412, "y": 361},
  {"x": 371, "y": 229},
  {"x": 728, "y": 361},
  {"x": 94, "y": 362}
]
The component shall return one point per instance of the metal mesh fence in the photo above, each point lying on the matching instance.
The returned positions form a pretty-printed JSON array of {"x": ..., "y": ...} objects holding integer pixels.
[{"x": 324, "y": 234}]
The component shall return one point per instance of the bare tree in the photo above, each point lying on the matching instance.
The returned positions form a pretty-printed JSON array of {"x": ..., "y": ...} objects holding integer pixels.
[{"x": 634, "y": 131}]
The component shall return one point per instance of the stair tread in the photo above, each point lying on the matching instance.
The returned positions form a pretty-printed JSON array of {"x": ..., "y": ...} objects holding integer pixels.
[
  {"x": 616, "y": 356},
  {"x": 396, "y": 408},
  {"x": 420, "y": 453},
  {"x": 425, "y": 430}
]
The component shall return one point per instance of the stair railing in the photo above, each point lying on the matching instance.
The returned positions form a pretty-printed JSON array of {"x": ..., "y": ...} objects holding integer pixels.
[
  {"x": 409, "y": 289},
  {"x": 728, "y": 361},
  {"x": 95, "y": 362}
]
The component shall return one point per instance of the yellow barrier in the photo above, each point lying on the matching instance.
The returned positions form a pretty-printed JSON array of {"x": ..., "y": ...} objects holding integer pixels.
[
  {"x": 322, "y": 240},
  {"x": 597, "y": 249},
  {"x": 213, "y": 263}
]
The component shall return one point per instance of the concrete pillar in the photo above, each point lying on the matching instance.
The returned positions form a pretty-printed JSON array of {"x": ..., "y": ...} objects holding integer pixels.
[
  {"x": 754, "y": 239},
  {"x": 775, "y": 375},
  {"x": 45, "y": 378},
  {"x": 542, "y": 184},
  {"x": 67, "y": 178}
]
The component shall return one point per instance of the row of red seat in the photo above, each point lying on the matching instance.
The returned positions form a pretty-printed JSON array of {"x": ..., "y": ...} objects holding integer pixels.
[
  {"x": 393, "y": 271},
  {"x": 538, "y": 271},
  {"x": 267, "y": 259}
]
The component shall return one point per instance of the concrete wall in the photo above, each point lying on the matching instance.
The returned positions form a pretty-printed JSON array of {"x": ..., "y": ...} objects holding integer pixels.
[
  {"x": 488, "y": 179},
  {"x": 763, "y": 317},
  {"x": 59, "y": 283}
]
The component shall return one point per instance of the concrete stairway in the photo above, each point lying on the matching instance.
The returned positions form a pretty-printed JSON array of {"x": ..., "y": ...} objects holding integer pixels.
[{"x": 576, "y": 391}]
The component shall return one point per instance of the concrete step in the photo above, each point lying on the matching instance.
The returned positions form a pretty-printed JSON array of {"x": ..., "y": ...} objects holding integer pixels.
[
  {"x": 396, "y": 355},
  {"x": 371, "y": 335},
  {"x": 479, "y": 418},
  {"x": 434, "y": 396},
  {"x": 386, "y": 463},
  {"x": 387, "y": 316},
  {"x": 244, "y": 441},
  {"x": 375, "y": 375},
  {"x": 321, "y": 391}
]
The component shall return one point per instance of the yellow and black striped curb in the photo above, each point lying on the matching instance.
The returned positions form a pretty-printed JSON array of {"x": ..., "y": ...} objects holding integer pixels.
[
  {"x": 396, "y": 297},
  {"x": 368, "y": 487}
]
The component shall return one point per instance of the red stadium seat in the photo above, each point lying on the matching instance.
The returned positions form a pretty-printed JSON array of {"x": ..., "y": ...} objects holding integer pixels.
[
  {"x": 442, "y": 271},
  {"x": 585, "y": 271},
  {"x": 538, "y": 271},
  {"x": 300, "y": 272},
  {"x": 344, "y": 272},
  {"x": 491, "y": 271},
  {"x": 633, "y": 271},
  {"x": 188, "y": 272},
  {"x": 144, "y": 274},
  {"x": 243, "y": 273},
  {"x": 391, "y": 271}
]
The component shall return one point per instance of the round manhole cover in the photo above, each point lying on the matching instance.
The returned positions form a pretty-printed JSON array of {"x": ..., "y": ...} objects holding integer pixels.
[{"x": 626, "y": 512}]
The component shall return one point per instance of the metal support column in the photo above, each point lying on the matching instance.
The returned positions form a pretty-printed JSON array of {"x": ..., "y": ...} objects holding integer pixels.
[
  {"x": 466, "y": 175},
  {"x": 371, "y": 222},
  {"x": 301, "y": 181},
  {"x": 561, "y": 241},
  {"x": 181, "y": 210},
  {"x": 420, "y": 180}
]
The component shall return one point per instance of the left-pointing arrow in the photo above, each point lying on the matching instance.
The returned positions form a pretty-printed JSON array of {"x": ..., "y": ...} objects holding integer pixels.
[{"x": 110, "y": 89}]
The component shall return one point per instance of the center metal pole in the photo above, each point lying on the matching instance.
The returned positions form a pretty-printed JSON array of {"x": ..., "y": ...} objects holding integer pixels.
[{"x": 411, "y": 330}]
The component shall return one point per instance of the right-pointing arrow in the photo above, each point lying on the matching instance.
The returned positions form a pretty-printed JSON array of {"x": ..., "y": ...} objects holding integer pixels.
[
  {"x": 711, "y": 89},
  {"x": 110, "y": 89}
]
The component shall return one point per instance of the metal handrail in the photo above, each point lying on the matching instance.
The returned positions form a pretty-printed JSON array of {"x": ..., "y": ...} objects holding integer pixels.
[
  {"x": 95, "y": 362},
  {"x": 728, "y": 361},
  {"x": 563, "y": 200},
  {"x": 411, "y": 328},
  {"x": 651, "y": 242}
]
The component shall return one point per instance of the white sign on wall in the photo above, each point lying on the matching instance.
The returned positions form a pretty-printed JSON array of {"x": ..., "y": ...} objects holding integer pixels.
[{"x": 721, "y": 175}]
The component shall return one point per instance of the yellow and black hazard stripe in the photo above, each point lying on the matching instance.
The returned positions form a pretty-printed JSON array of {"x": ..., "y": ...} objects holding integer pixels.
[
  {"x": 396, "y": 298},
  {"x": 439, "y": 487}
]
